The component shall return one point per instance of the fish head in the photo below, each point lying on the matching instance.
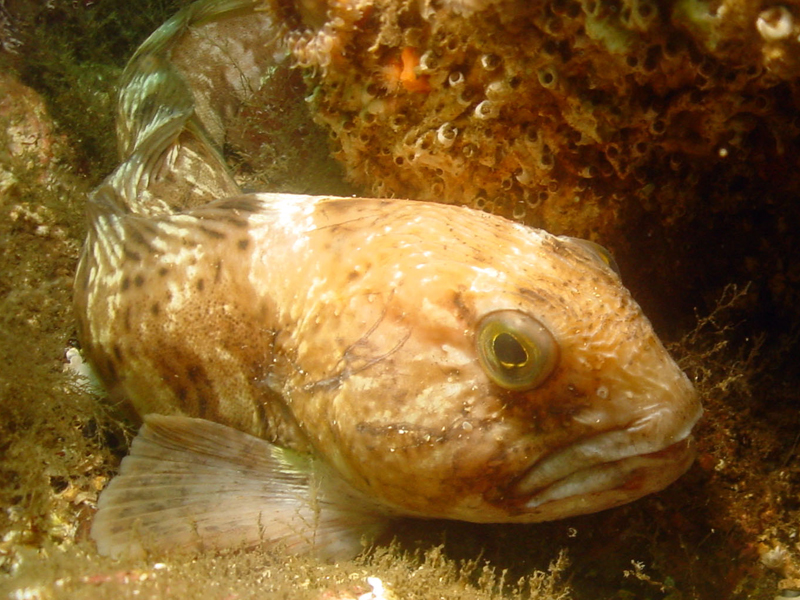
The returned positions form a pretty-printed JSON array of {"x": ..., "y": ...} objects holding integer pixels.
[{"x": 500, "y": 374}]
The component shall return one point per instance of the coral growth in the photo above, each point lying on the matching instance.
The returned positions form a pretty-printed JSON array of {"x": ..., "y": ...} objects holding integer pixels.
[
  {"x": 557, "y": 105},
  {"x": 631, "y": 122}
]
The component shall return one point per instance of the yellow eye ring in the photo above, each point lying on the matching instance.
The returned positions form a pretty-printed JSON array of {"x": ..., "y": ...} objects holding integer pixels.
[{"x": 516, "y": 351}]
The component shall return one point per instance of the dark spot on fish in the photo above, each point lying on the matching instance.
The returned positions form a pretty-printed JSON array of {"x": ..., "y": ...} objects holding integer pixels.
[
  {"x": 194, "y": 373},
  {"x": 112, "y": 370},
  {"x": 218, "y": 271},
  {"x": 200, "y": 284},
  {"x": 212, "y": 233},
  {"x": 155, "y": 309},
  {"x": 126, "y": 283},
  {"x": 353, "y": 275},
  {"x": 117, "y": 352},
  {"x": 173, "y": 365},
  {"x": 137, "y": 237},
  {"x": 163, "y": 271},
  {"x": 243, "y": 244},
  {"x": 234, "y": 221},
  {"x": 138, "y": 281},
  {"x": 464, "y": 313},
  {"x": 131, "y": 255}
]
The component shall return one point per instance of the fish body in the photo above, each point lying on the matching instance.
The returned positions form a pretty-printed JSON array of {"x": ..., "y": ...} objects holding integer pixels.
[{"x": 308, "y": 366}]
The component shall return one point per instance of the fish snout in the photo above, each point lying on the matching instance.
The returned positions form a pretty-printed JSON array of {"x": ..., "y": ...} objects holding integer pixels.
[{"x": 616, "y": 461}]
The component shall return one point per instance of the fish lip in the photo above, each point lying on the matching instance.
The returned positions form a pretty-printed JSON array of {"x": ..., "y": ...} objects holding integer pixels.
[
  {"x": 621, "y": 450},
  {"x": 611, "y": 483}
]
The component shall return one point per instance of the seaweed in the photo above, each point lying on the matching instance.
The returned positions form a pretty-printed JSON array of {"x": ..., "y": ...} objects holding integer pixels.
[{"x": 72, "y": 52}]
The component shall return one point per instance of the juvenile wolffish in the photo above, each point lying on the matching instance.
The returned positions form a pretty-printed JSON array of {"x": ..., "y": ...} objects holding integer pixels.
[{"x": 308, "y": 368}]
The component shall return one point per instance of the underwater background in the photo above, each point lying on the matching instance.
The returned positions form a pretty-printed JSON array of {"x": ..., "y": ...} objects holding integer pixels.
[{"x": 667, "y": 131}]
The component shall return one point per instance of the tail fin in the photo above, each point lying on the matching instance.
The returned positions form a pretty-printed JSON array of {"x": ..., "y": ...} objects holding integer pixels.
[{"x": 178, "y": 92}]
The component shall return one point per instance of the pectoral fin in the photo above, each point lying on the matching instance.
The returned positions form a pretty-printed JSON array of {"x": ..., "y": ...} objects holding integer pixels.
[{"x": 194, "y": 484}]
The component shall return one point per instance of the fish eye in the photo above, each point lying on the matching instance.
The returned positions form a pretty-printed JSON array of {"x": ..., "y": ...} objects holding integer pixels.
[
  {"x": 601, "y": 253},
  {"x": 516, "y": 351}
]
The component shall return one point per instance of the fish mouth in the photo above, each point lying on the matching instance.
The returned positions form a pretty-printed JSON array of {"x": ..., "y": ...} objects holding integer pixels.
[{"x": 605, "y": 470}]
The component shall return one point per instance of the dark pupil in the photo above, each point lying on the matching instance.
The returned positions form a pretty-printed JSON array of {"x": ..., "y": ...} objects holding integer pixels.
[{"x": 509, "y": 351}]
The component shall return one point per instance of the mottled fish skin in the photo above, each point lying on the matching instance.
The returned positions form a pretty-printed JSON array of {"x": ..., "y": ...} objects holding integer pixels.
[
  {"x": 349, "y": 330},
  {"x": 348, "y": 327}
]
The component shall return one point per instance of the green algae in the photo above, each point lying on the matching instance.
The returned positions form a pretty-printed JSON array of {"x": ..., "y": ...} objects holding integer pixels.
[
  {"x": 73, "y": 54},
  {"x": 258, "y": 574}
]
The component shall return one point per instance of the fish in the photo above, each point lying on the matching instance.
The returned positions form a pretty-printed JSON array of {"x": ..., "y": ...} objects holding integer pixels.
[{"x": 309, "y": 368}]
